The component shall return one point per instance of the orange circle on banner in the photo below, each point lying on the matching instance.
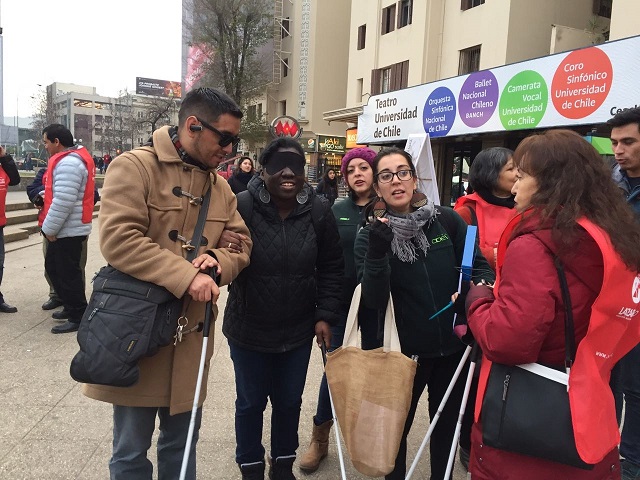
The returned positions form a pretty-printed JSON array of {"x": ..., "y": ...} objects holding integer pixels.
[{"x": 581, "y": 83}]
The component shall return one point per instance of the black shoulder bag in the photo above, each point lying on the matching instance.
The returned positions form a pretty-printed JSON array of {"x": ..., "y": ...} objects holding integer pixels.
[
  {"x": 127, "y": 319},
  {"x": 526, "y": 408}
]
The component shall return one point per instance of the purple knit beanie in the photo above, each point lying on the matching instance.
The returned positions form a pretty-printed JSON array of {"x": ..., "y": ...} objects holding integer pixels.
[{"x": 364, "y": 153}]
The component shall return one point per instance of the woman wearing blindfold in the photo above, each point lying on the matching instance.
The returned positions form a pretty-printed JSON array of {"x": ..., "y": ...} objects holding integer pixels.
[{"x": 290, "y": 293}]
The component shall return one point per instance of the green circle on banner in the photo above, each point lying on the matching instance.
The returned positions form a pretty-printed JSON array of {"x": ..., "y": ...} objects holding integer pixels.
[{"x": 523, "y": 101}]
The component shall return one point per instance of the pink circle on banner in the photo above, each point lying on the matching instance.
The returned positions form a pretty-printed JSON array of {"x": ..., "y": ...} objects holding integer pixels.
[{"x": 478, "y": 98}]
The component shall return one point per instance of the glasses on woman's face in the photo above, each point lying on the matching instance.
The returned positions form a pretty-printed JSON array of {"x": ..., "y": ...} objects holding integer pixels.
[{"x": 387, "y": 177}]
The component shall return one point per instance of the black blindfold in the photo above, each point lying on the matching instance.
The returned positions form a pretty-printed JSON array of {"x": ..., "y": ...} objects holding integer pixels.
[{"x": 281, "y": 160}]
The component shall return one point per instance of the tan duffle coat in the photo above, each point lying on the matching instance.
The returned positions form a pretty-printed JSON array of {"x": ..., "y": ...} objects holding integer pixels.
[{"x": 139, "y": 210}]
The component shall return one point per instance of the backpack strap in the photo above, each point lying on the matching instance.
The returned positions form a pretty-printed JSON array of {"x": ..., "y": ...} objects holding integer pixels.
[{"x": 474, "y": 217}]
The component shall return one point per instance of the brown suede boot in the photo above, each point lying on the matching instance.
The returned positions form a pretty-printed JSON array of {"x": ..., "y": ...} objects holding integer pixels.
[{"x": 318, "y": 447}]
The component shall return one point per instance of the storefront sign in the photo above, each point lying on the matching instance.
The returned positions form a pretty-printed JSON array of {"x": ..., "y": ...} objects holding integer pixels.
[
  {"x": 332, "y": 144},
  {"x": 581, "y": 87},
  {"x": 352, "y": 137}
]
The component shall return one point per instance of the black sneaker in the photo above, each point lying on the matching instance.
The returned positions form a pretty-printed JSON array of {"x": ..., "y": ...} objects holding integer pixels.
[
  {"x": 51, "y": 304},
  {"x": 6, "y": 308},
  {"x": 61, "y": 314},
  {"x": 66, "y": 327}
]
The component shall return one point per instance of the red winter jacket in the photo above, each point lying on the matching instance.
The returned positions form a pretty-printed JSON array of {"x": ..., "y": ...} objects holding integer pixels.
[{"x": 525, "y": 323}]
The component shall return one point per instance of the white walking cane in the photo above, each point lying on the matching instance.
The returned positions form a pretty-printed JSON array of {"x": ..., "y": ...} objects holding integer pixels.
[
  {"x": 196, "y": 398},
  {"x": 465, "y": 274},
  {"x": 335, "y": 418}
]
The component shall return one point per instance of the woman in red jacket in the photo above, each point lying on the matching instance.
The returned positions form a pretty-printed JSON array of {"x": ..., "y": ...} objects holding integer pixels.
[
  {"x": 490, "y": 206},
  {"x": 560, "y": 179}
]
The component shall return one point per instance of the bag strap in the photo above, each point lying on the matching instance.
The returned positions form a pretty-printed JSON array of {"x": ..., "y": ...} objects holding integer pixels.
[
  {"x": 391, "y": 339},
  {"x": 197, "y": 232},
  {"x": 569, "y": 331}
]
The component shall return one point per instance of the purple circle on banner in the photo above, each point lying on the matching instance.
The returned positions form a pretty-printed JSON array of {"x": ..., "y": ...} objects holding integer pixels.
[
  {"x": 439, "y": 112},
  {"x": 478, "y": 98}
]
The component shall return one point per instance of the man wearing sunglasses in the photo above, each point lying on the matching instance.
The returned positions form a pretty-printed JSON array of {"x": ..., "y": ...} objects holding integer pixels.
[{"x": 151, "y": 203}]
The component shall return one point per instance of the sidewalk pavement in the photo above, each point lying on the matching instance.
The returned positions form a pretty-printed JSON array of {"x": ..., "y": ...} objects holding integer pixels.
[{"x": 49, "y": 430}]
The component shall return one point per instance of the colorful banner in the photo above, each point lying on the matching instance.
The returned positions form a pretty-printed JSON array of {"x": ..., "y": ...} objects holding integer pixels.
[
  {"x": 580, "y": 87},
  {"x": 198, "y": 59}
]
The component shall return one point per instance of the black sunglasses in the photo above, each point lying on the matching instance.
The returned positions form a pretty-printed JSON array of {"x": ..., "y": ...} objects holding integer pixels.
[{"x": 225, "y": 138}]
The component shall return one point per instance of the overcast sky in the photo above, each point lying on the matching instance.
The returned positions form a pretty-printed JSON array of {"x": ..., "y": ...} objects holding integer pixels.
[{"x": 105, "y": 44}]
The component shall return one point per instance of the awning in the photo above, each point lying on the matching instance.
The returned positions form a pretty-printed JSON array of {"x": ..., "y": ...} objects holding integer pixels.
[{"x": 347, "y": 114}]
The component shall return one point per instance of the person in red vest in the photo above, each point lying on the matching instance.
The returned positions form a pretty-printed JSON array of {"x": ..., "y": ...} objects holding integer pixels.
[
  {"x": 563, "y": 193},
  {"x": 8, "y": 176},
  {"x": 68, "y": 213},
  {"x": 490, "y": 206}
]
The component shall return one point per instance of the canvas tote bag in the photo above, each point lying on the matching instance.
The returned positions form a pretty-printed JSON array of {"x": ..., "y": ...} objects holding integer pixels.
[{"x": 371, "y": 391}]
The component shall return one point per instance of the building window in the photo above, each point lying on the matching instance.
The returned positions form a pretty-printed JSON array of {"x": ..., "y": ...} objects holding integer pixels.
[
  {"x": 405, "y": 14},
  {"x": 285, "y": 28},
  {"x": 388, "y": 19},
  {"x": 469, "y": 60},
  {"x": 285, "y": 67},
  {"x": 467, "y": 4},
  {"x": 82, "y": 103},
  {"x": 251, "y": 112},
  {"x": 362, "y": 36},
  {"x": 359, "y": 88},
  {"x": 283, "y": 107},
  {"x": 388, "y": 79},
  {"x": 602, "y": 8}
]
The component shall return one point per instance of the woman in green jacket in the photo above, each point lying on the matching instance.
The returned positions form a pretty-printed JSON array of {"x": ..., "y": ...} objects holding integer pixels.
[
  {"x": 358, "y": 174},
  {"x": 413, "y": 251}
]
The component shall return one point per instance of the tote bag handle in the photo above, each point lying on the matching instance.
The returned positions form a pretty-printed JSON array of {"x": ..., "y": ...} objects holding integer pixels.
[{"x": 391, "y": 341}]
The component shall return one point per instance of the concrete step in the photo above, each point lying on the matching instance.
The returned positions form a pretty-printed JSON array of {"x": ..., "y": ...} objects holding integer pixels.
[{"x": 21, "y": 223}]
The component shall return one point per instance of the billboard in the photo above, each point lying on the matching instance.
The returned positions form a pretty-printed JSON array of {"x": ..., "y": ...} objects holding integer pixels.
[
  {"x": 158, "y": 88},
  {"x": 579, "y": 87}
]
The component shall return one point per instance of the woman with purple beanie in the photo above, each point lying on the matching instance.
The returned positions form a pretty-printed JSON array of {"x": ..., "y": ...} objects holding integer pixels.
[{"x": 357, "y": 172}]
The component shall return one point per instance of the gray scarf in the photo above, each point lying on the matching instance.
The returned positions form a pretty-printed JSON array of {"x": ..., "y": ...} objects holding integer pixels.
[{"x": 408, "y": 232}]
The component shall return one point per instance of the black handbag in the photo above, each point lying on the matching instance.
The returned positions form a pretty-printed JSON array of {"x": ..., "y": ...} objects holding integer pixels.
[
  {"x": 526, "y": 408},
  {"x": 125, "y": 320}
]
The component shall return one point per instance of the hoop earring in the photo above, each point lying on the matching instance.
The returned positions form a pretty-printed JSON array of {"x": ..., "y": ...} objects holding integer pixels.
[
  {"x": 302, "y": 196},
  {"x": 418, "y": 200},
  {"x": 379, "y": 207},
  {"x": 263, "y": 194}
]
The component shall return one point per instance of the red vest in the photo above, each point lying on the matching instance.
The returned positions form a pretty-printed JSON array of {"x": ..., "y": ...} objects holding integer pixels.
[
  {"x": 87, "y": 199},
  {"x": 614, "y": 329},
  {"x": 4, "y": 185},
  {"x": 491, "y": 218}
]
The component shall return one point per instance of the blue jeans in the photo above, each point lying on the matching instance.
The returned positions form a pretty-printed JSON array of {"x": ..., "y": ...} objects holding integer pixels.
[
  {"x": 630, "y": 381},
  {"x": 132, "y": 431},
  {"x": 279, "y": 377}
]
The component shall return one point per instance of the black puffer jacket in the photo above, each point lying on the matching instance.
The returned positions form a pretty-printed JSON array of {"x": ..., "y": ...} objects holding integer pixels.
[{"x": 294, "y": 278}]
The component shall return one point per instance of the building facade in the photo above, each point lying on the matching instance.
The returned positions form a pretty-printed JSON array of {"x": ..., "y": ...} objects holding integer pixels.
[
  {"x": 105, "y": 124},
  {"x": 394, "y": 47}
]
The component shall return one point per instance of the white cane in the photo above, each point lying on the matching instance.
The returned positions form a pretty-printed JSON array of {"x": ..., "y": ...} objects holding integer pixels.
[
  {"x": 335, "y": 418},
  {"x": 463, "y": 406},
  {"x": 436, "y": 417},
  {"x": 194, "y": 411}
]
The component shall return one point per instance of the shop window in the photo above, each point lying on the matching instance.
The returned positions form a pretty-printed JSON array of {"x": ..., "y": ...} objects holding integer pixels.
[
  {"x": 467, "y": 4},
  {"x": 469, "y": 60},
  {"x": 285, "y": 28},
  {"x": 405, "y": 13},
  {"x": 388, "y": 19},
  {"x": 78, "y": 102},
  {"x": 388, "y": 79},
  {"x": 602, "y": 8},
  {"x": 362, "y": 36}
]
